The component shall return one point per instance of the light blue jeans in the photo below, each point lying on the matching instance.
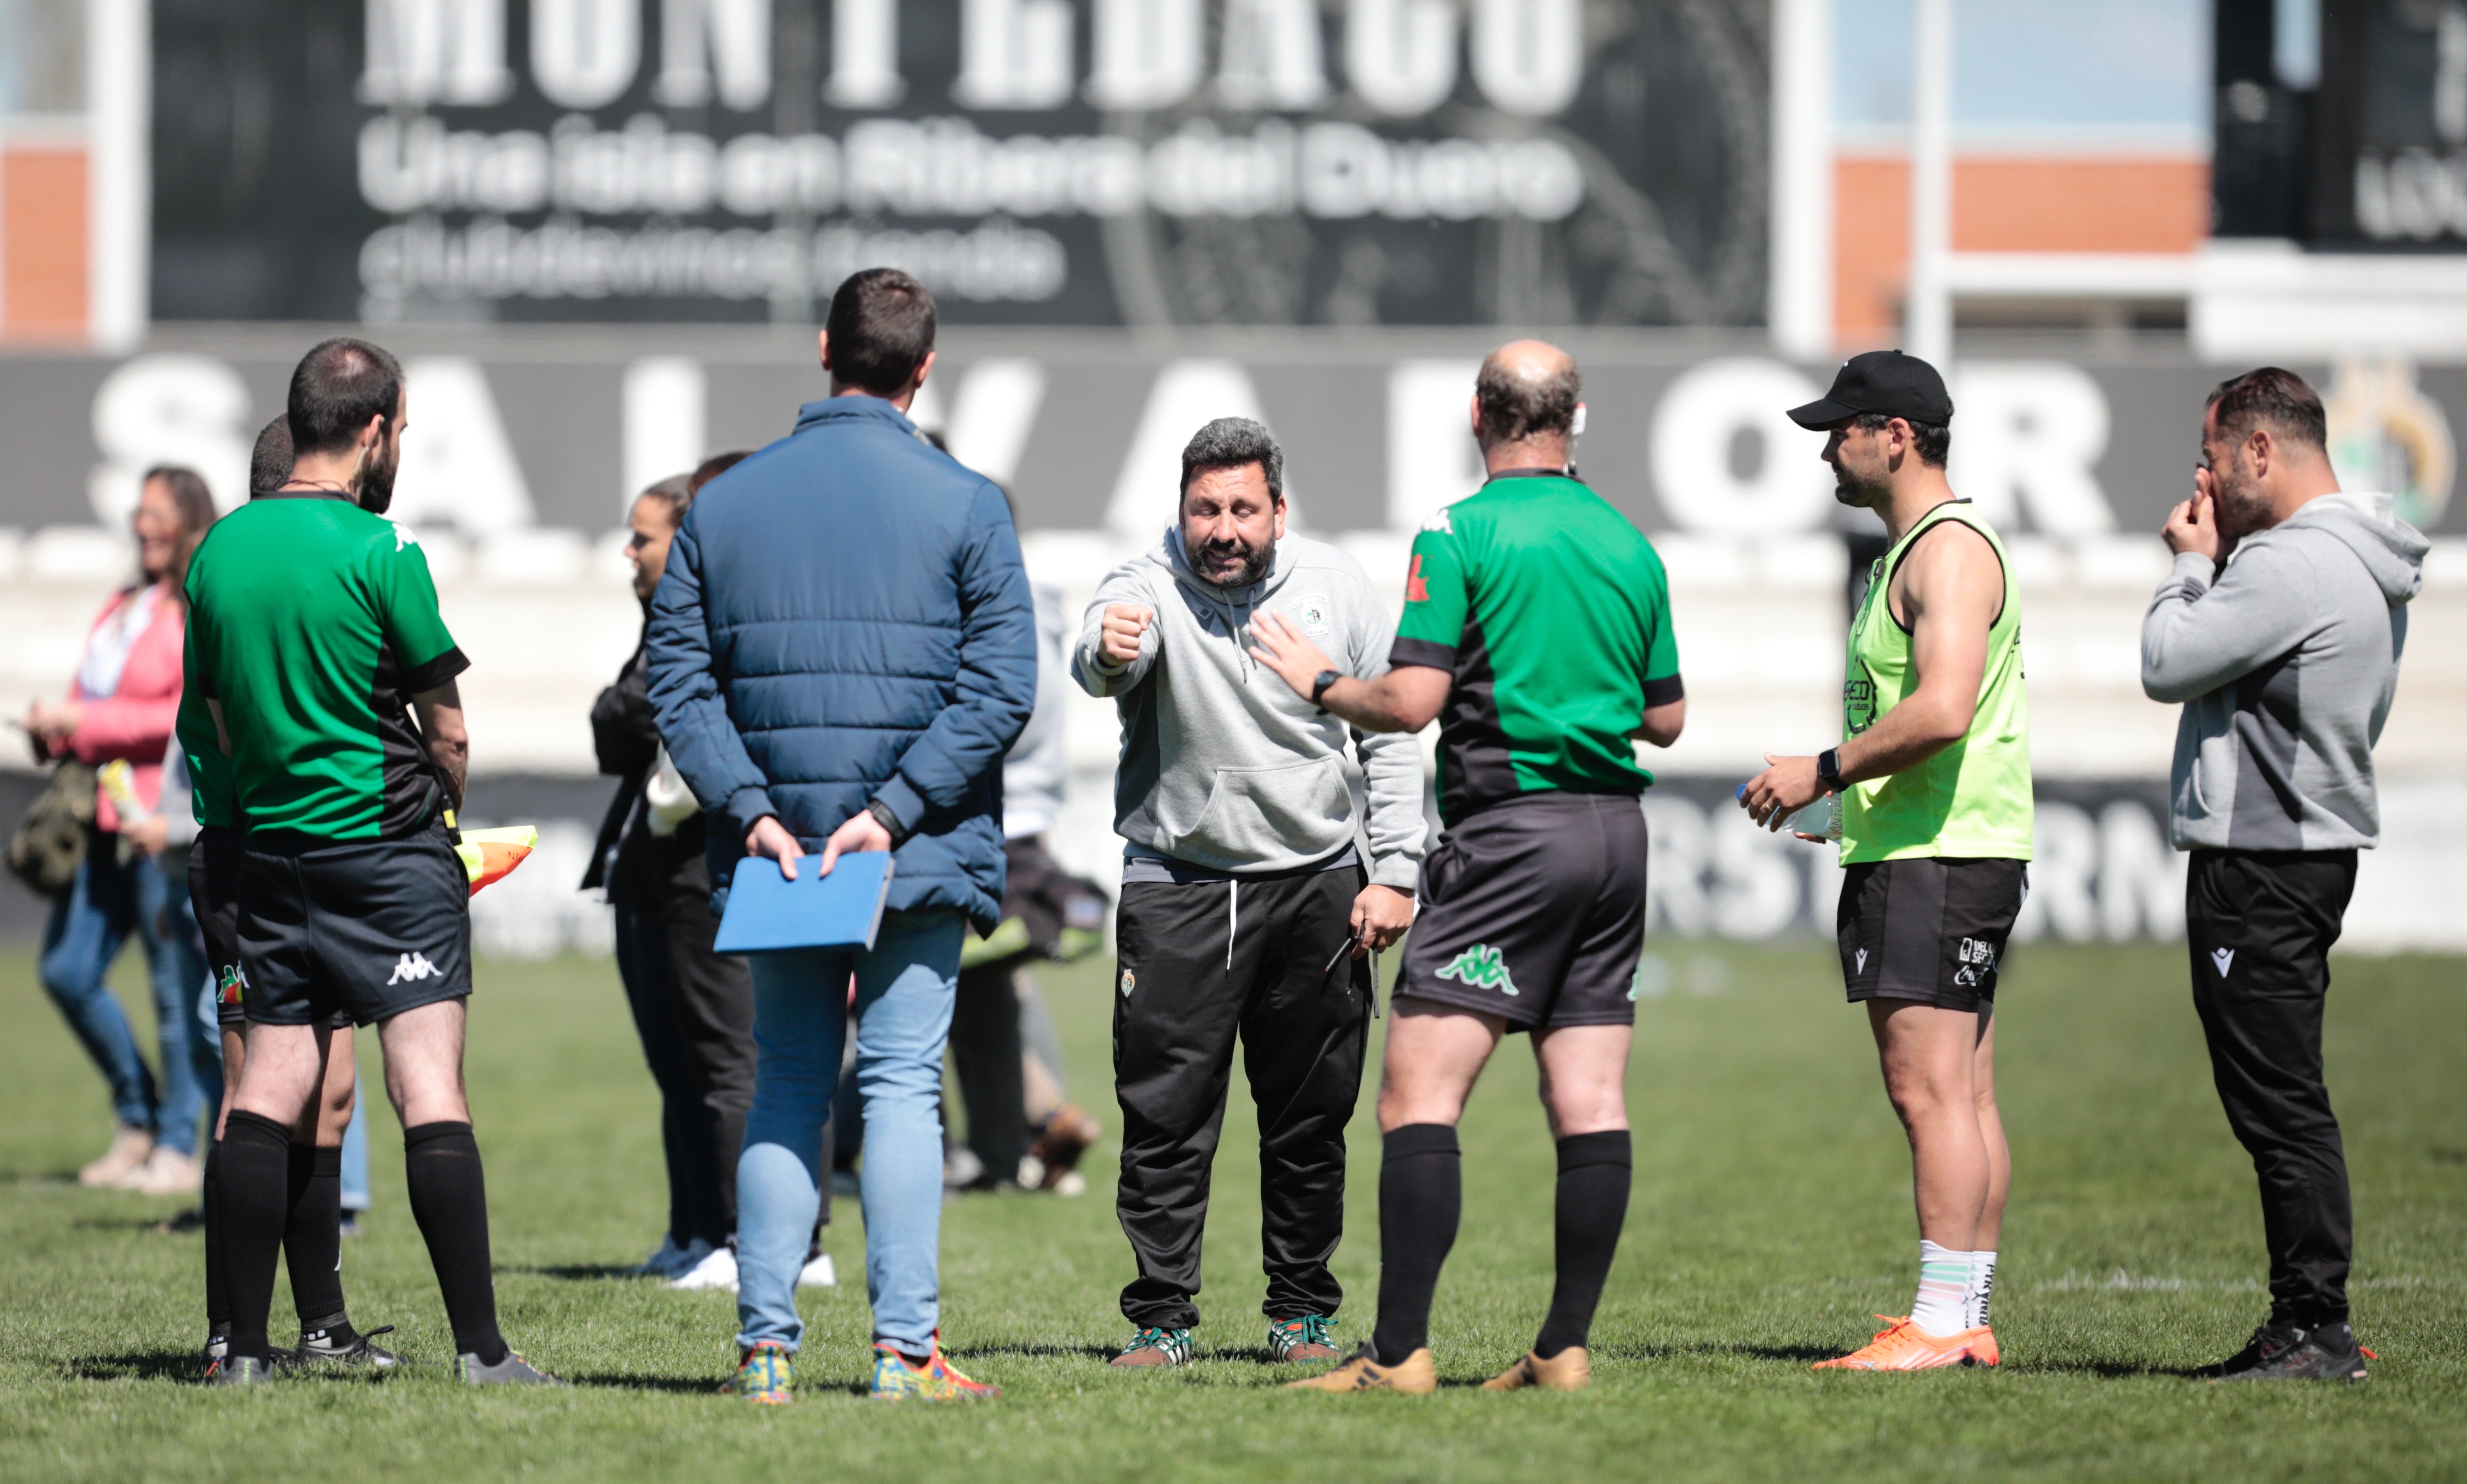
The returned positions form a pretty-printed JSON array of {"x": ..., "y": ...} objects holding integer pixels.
[
  {"x": 904, "y": 989},
  {"x": 110, "y": 901}
]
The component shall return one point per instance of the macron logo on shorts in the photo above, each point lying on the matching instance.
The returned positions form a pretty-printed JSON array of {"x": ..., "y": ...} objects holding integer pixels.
[
  {"x": 2224, "y": 960},
  {"x": 1482, "y": 966},
  {"x": 410, "y": 967}
]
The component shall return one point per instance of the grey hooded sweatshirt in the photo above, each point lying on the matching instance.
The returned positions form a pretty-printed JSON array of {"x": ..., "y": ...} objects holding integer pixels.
[
  {"x": 1225, "y": 768},
  {"x": 2286, "y": 662}
]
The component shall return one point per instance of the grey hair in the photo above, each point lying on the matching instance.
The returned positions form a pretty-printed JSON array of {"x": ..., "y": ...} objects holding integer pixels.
[{"x": 1229, "y": 443}]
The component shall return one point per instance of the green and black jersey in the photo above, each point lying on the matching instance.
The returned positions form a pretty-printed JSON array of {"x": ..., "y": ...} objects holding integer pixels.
[
  {"x": 313, "y": 623},
  {"x": 210, "y": 794},
  {"x": 1553, "y": 613}
]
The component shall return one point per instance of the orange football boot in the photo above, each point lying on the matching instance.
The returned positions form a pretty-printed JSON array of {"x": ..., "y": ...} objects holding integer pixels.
[{"x": 1903, "y": 1346}]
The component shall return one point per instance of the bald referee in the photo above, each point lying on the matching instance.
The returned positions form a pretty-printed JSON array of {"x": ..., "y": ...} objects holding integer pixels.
[{"x": 1537, "y": 623}]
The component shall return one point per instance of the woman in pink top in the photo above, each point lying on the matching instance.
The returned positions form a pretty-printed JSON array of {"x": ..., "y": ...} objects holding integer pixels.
[{"x": 122, "y": 707}]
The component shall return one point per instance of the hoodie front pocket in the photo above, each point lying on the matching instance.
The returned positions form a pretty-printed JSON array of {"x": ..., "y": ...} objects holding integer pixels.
[{"x": 1260, "y": 813}]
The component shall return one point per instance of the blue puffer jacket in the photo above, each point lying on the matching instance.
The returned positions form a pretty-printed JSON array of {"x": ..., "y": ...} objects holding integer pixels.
[{"x": 845, "y": 618}]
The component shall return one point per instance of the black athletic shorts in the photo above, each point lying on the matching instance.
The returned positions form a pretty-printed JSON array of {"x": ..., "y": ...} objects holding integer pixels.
[
  {"x": 360, "y": 931},
  {"x": 213, "y": 891},
  {"x": 1930, "y": 928},
  {"x": 1533, "y": 911}
]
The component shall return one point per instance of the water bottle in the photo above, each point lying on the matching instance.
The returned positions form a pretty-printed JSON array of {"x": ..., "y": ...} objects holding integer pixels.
[{"x": 1822, "y": 818}]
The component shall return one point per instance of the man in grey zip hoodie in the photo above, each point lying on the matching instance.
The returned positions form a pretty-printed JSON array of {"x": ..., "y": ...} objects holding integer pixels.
[
  {"x": 1248, "y": 905},
  {"x": 2280, "y": 631}
]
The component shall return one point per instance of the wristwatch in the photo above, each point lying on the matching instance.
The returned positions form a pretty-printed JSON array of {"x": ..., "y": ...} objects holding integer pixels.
[
  {"x": 889, "y": 821},
  {"x": 1318, "y": 688},
  {"x": 1828, "y": 770}
]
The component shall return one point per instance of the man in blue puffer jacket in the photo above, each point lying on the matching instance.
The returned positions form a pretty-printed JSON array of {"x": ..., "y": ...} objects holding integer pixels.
[{"x": 840, "y": 651}]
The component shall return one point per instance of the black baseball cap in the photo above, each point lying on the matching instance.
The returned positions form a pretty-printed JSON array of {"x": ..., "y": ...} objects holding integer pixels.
[{"x": 1885, "y": 382}]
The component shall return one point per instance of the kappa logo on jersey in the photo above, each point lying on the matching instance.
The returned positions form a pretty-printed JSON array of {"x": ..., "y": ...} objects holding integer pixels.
[
  {"x": 404, "y": 536},
  {"x": 412, "y": 967},
  {"x": 2223, "y": 960},
  {"x": 1438, "y": 522},
  {"x": 1482, "y": 967},
  {"x": 1977, "y": 961}
]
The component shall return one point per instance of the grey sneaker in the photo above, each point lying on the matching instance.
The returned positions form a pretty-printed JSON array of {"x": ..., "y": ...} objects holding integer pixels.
[
  {"x": 240, "y": 1370},
  {"x": 511, "y": 1371},
  {"x": 319, "y": 1346}
]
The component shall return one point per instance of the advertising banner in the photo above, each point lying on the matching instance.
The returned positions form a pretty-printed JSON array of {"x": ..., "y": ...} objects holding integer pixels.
[{"x": 1051, "y": 161}]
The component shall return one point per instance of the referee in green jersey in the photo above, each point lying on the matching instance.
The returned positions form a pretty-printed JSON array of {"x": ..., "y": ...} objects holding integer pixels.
[
  {"x": 1935, "y": 782},
  {"x": 1537, "y": 631},
  {"x": 314, "y": 636}
]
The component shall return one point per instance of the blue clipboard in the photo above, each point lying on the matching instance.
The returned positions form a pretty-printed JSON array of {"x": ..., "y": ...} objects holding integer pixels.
[{"x": 768, "y": 913}]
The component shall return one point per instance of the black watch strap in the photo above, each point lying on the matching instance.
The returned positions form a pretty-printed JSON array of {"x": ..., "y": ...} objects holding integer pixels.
[
  {"x": 1828, "y": 769},
  {"x": 1319, "y": 687},
  {"x": 889, "y": 821}
]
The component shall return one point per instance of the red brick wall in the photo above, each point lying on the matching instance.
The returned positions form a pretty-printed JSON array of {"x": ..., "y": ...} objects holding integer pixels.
[
  {"x": 43, "y": 256},
  {"x": 2005, "y": 204}
]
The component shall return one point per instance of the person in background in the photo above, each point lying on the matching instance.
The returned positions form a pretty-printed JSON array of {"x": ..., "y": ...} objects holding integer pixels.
[
  {"x": 1002, "y": 1041},
  {"x": 2279, "y": 632},
  {"x": 121, "y": 707},
  {"x": 842, "y": 650},
  {"x": 692, "y": 1007}
]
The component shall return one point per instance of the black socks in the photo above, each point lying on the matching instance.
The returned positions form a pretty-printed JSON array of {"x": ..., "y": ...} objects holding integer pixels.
[
  {"x": 1421, "y": 1194},
  {"x": 1594, "y": 1173},
  {"x": 255, "y": 1157},
  {"x": 312, "y": 1237},
  {"x": 449, "y": 1199}
]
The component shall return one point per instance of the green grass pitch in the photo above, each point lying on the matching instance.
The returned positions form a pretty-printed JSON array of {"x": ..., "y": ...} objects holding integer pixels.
[{"x": 1771, "y": 1219}]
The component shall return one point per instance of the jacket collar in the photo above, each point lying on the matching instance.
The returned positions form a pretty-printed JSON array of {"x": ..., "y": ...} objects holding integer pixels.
[{"x": 849, "y": 409}]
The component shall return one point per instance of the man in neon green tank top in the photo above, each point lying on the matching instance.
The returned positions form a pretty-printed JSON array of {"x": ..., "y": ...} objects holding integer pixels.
[{"x": 1935, "y": 782}]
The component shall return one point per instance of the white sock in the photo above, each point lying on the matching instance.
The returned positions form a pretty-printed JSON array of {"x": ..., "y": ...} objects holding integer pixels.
[
  {"x": 1944, "y": 1279},
  {"x": 1982, "y": 1287}
]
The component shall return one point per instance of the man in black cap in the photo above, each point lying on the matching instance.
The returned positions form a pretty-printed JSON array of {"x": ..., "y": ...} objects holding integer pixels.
[{"x": 1934, "y": 821}]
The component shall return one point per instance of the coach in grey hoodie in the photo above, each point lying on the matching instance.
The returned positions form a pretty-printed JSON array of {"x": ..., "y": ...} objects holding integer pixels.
[
  {"x": 1252, "y": 888},
  {"x": 2280, "y": 631}
]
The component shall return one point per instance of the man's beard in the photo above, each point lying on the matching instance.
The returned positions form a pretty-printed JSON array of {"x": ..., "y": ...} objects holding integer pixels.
[
  {"x": 1848, "y": 490},
  {"x": 2239, "y": 511},
  {"x": 376, "y": 481},
  {"x": 1254, "y": 564}
]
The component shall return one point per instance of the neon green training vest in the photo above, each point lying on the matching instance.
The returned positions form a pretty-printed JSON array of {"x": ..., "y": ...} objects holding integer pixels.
[{"x": 1973, "y": 798}]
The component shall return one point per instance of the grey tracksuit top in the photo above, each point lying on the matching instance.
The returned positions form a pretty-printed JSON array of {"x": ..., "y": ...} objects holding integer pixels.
[
  {"x": 2286, "y": 662},
  {"x": 1223, "y": 766}
]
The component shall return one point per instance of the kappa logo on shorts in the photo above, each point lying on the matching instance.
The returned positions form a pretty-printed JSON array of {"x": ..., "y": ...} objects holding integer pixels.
[
  {"x": 1482, "y": 967},
  {"x": 412, "y": 967},
  {"x": 1977, "y": 958},
  {"x": 2223, "y": 960}
]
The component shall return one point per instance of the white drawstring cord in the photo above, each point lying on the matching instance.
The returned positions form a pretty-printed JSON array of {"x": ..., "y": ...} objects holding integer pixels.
[{"x": 1232, "y": 895}]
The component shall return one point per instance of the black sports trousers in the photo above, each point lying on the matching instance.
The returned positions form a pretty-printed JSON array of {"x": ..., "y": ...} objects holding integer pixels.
[
  {"x": 2259, "y": 924},
  {"x": 694, "y": 1011},
  {"x": 1200, "y": 964}
]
